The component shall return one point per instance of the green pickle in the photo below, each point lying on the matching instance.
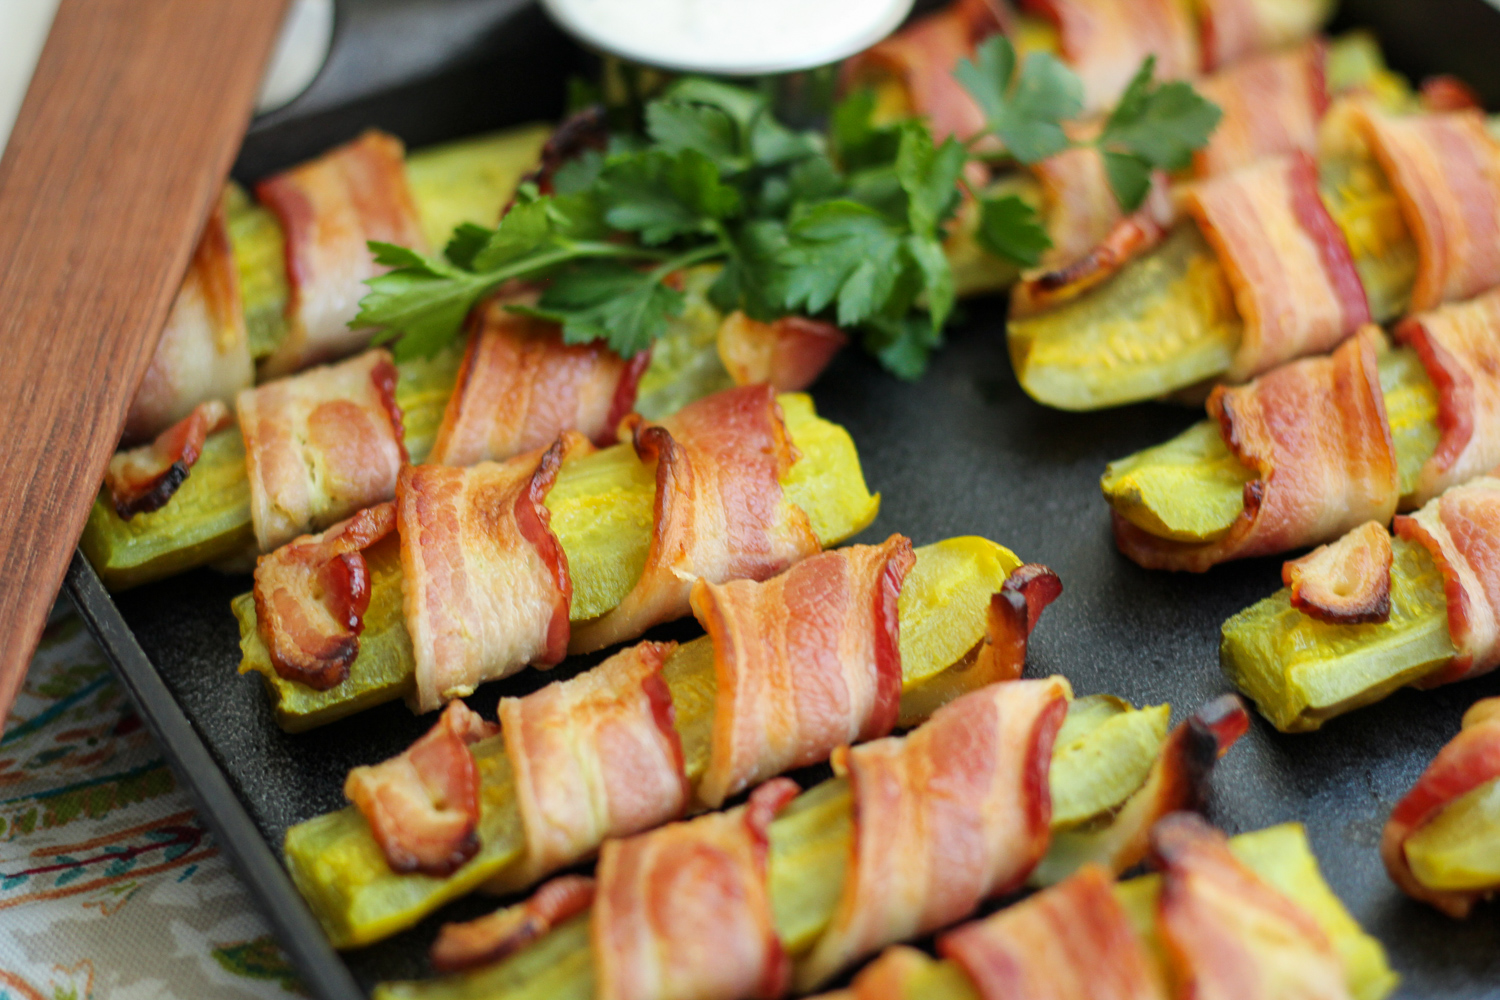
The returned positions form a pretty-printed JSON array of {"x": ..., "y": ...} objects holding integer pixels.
[
  {"x": 1301, "y": 672},
  {"x": 1104, "y": 745},
  {"x": 1459, "y": 848}
]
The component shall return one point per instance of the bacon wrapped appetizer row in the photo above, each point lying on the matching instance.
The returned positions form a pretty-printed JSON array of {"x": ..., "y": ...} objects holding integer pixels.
[
  {"x": 1277, "y": 260},
  {"x": 1371, "y": 613},
  {"x": 911, "y": 835},
  {"x": 1442, "y": 842},
  {"x": 842, "y": 646},
  {"x": 1248, "y": 916}
]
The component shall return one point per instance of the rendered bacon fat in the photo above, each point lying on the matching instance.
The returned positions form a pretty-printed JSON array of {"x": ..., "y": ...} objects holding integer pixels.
[
  {"x": 520, "y": 386},
  {"x": 1229, "y": 934},
  {"x": 944, "y": 818},
  {"x": 1347, "y": 582},
  {"x": 329, "y": 208},
  {"x": 321, "y": 445},
  {"x": 683, "y": 912},
  {"x": 1459, "y": 528},
  {"x": 423, "y": 805},
  {"x": 1287, "y": 262},
  {"x": 594, "y": 757},
  {"x": 805, "y": 662},
  {"x": 787, "y": 355},
  {"x": 1445, "y": 169},
  {"x": 1316, "y": 433},
  {"x": 1459, "y": 346},
  {"x": 1471, "y": 759},
  {"x": 1105, "y": 42},
  {"x": 1073, "y": 941},
  {"x": 1272, "y": 105},
  {"x": 1236, "y": 29},
  {"x": 204, "y": 352},
  {"x": 494, "y": 936},
  {"x": 719, "y": 512},
  {"x": 143, "y": 479},
  {"x": 311, "y": 596},
  {"x": 923, "y": 57},
  {"x": 487, "y": 589}
]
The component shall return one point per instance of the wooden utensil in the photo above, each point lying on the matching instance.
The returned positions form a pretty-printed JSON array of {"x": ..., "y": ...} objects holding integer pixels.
[{"x": 122, "y": 144}]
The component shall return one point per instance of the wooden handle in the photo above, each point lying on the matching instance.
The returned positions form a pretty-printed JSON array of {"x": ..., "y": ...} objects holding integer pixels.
[{"x": 122, "y": 144}]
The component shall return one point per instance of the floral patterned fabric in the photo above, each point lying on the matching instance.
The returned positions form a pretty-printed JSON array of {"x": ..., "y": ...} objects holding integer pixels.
[{"x": 110, "y": 885}]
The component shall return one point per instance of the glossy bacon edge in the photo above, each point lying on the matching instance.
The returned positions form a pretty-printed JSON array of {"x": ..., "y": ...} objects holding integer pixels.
[
  {"x": 423, "y": 804},
  {"x": 144, "y": 479},
  {"x": 1012, "y": 617},
  {"x": 500, "y": 934},
  {"x": 1346, "y": 582},
  {"x": 788, "y": 354}
]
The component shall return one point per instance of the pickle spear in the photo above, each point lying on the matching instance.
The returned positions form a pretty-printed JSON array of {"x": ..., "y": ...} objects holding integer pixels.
[
  {"x": 601, "y": 510},
  {"x": 1459, "y": 848}
]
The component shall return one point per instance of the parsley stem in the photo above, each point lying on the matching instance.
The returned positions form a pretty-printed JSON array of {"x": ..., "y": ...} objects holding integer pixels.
[{"x": 697, "y": 255}]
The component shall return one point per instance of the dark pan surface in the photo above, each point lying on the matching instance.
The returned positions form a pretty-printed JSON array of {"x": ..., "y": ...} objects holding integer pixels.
[{"x": 962, "y": 452}]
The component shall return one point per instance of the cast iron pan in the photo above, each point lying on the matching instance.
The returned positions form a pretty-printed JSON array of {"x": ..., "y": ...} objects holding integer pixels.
[{"x": 964, "y": 451}]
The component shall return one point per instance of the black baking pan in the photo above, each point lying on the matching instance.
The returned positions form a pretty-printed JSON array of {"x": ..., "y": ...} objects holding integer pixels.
[{"x": 964, "y": 451}]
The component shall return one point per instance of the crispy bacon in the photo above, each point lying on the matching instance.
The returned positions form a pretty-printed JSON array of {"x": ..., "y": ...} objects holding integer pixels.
[
  {"x": 321, "y": 445},
  {"x": 328, "y": 209},
  {"x": 505, "y": 932},
  {"x": 1445, "y": 169},
  {"x": 487, "y": 588},
  {"x": 311, "y": 596},
  {"x": 594, "y": 757},
  {"x": 423, "y": 805},
  {"x": 1073, "y": 941},
  {"x": 520, "y": 386},
  {"x": 787, "y": 355},
  {"x": 143, "y": 479},
  {"x": 1459, "y": 528},
  {"x": 204, "y": 351},
  {"x": 1272, "y": 105},
  {"x": 1315, "y": 431},
  {"x": 923, "y": 57},
  {"x": 1287, "y": 262},
  {"x": 1459, "y": 346},
  {"x": 1013, "y": 614},
  {"x": 1470, "y": 759},
  {"x": 1229, "y": 934},
  {"x": 944, "y": 818},
  {"x": 720, "y": 513},
  {"x": 1236, "y": 29},
  {"x": 683, "y": 912},
  {"x": 1347, "y": 582},
  {"x": 1448, "y": 93},
  {"x": 805, "y": 662},
  {"x": 1105, "y": 42},
  {"x": 583, "y": 131}
]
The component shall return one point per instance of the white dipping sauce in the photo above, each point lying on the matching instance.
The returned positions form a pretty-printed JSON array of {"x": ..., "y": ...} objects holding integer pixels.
[{"x": 731, "y": 37}]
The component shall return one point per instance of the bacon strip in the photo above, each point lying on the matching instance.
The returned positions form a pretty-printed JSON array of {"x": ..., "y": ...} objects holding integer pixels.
[
  {"x": 1227, "y": 933},
  {"x": 1445, "y": 169},
  {"x": 1013, "y": 614},
  {"x": 1272, "y": 105},
  {"x": 1105, "y": 42},
  {"x": 1315, "y": 431},
  {"x": 520, "y": 386},
  {"x": 1459, "y": 528},
  {"x": 1287, "y": 262},
  {"x": 505, "y": 932},
  {"x": 204, "y": 351},
  {"x": 923, "y": 57},
  {"x": 311, "y": 596},
  {"x": 787, "y": 355},
  {"x": 892, "y": 976},
  {"x": 423, "y": 805},
  {"x": 1459, "y": 345},
  {"x": 1236, "y": 29},
  {"x": 683, "y": 912},
  {"x": 143, "y": 479},
  {"x": 487, "y": 587},
  {"x": 1470, "y": 759},
  {"x": 953, "y": 814},
  {"x": 805, "y": 662},
  {"x": 594, "y": 757},
  {"x": 1347, "y": 582},
  {"x": 720, "y": 513},
  {"x": 321, "y": 445},
  {"x": 328, "y": 209},
  {"x": 1073, "y": 941}
]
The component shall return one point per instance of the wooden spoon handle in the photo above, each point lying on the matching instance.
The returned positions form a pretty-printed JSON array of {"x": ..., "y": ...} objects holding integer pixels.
[{"x": 123, "y": 142}]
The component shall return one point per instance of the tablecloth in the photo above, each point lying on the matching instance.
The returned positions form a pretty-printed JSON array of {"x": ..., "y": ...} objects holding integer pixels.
[{"x": 110, "y": 884}]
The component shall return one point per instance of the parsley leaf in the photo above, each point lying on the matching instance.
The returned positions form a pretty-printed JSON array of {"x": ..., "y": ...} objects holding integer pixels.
[
  {"x": 857, "y": 141},
  {"x": 663, "y": 196},
  {"x": 1129, "y": 178},
  {"x": 422, "y": 300},
  {"x": 843, "y": 253},
  {"x": 524, "y": 229},
  {"x": 1027, "y": 110},
  {"x": 609, "y": 301},
  {"x": 903, "y": 344},
  {"x": 1011, "y": 228},
  {"x": 1162, "y": 124}
]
